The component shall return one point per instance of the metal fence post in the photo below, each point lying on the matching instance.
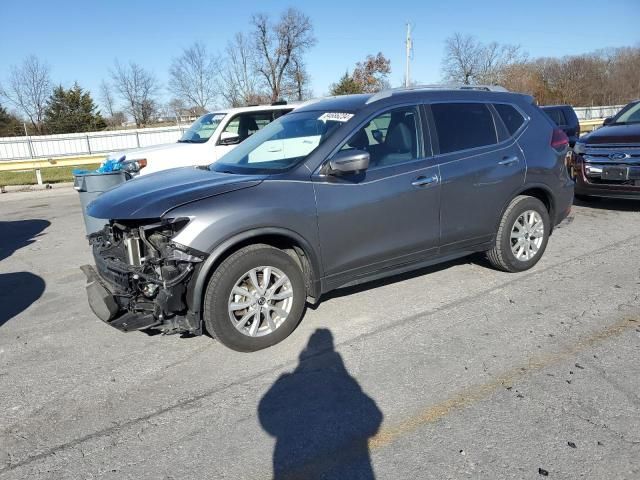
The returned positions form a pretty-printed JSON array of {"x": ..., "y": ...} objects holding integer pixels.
[
  {"x": 88, "y": 144},
  {"x": 137, "y": 139},
  {"x": 30, "y": 146}
]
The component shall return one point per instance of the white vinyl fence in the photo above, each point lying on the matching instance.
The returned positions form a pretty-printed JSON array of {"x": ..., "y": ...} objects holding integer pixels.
[
  {"x": 591, "y": 113},
  {"x": 75, "y": 144}
]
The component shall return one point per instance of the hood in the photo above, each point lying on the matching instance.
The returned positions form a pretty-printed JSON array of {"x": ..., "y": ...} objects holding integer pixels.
[
  {"x": 153, "y": 195},
  {"x": 624, "y": 134}
]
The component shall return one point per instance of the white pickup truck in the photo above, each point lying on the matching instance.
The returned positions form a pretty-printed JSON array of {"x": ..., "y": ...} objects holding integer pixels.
[{"x": 208, "y": 139}]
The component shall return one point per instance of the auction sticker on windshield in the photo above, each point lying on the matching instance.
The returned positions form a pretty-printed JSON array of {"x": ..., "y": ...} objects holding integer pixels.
[{"x": 335, "y": 117}]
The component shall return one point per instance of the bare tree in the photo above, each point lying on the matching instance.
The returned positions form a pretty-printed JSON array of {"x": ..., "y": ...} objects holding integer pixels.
[
  {"x": 28, "y": 89},
  {"x": 107, "y": 99},
  {"x": 138, "y": 90},
  {"x": 192, "y": 77},
  {"x": 277, "y": 43},
  {"x": 469, "y": 61},
  {"x": 296, "y": 84},
  {"x": 238, "y": 84}
]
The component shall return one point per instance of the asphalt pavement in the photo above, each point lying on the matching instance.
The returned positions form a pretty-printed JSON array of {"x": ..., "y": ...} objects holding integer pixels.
[{"x": 453, "y": 372}]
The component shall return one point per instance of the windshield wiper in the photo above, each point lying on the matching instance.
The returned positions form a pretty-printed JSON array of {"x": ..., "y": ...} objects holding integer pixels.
[{"x": 185, "y": 141}]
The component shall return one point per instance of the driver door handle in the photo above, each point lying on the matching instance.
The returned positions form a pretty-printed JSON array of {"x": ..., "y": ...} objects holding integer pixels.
[
  {"x": 508, "y": 161},
  {"x": 424, "y": 181}
]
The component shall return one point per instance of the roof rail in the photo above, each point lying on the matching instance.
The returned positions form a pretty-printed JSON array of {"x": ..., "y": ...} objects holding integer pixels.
[{"x": 389, "y": 92}]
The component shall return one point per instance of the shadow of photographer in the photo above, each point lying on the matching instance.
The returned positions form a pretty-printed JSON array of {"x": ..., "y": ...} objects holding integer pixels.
[{"x": 320, "y": 417}]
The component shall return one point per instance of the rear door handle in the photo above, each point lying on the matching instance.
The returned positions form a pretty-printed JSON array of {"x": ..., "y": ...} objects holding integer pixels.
[
  {"x": 424, "y": 181},
  {"x": 507, "y": 161}
]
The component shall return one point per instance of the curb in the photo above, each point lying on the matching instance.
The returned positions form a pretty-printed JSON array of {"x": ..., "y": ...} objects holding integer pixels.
[{"x": 34, "y": 188}]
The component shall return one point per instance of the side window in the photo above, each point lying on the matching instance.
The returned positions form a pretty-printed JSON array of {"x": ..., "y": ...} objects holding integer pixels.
[
  {"x": 390, "y": 138},
  {"x": 511, "y": 117},
  {"x": 463, "y": 125},
  {"x": 246, "y": 124},
  {"x": 556, "y": 115}
]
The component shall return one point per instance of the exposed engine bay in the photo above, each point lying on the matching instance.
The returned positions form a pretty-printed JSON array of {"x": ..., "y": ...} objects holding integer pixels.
[{"x": 142, "y": 278}]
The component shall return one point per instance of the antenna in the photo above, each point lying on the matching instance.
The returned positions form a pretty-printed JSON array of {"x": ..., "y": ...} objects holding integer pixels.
[{"x": 409, "y": 48}]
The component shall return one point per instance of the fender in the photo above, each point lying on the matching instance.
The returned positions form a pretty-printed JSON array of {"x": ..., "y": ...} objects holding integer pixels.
[
  {"x": 218, "y": 252},
  {"x": 531, "y": 186}
]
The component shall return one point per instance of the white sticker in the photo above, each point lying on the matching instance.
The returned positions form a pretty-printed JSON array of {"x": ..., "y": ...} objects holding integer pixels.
[
  {"x": 336, "y": 116},
  {"x": 218, "y": 116}
]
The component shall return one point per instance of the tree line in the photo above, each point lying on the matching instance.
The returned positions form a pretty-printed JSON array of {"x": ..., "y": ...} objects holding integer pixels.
[
  {"x": 604, "y": 77},
  {"x": 265, "y": 64}
]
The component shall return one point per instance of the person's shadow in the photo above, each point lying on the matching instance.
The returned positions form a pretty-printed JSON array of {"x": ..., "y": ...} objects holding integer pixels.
[{"x": 320, "y": 416}]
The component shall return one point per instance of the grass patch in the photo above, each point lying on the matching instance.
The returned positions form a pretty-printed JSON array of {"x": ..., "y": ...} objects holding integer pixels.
[{"x": 49, "y": 175}]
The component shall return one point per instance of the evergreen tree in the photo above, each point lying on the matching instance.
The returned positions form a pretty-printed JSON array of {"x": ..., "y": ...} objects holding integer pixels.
[
  {"x": 10, "y": 125},
  {"x": 346, "y": 86},
  {"x": 72, "y": 111}
]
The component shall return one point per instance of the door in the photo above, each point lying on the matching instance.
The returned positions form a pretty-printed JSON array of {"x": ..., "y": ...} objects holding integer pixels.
[
  {"x": 387, "y": 215},
  {"x": 481, "y": 168}
]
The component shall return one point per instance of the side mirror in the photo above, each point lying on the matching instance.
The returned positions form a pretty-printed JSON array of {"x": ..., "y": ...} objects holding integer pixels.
[
  {"x": 229, "y": 138},
  {"x": 607, "y": 121},
  {"x": 349, "y": 161}
]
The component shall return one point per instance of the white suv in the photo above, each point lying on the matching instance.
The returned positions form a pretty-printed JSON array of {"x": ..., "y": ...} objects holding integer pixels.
[{"x": 208, "y": 139}]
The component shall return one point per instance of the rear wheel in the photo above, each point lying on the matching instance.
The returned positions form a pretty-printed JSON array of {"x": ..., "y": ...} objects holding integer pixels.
[
  {"x": 255, "y": 298},
  {"x": 522, "y": 235}
]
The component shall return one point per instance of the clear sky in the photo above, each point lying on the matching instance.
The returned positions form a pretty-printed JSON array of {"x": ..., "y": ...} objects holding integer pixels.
[{"x": 81, "y": 39}]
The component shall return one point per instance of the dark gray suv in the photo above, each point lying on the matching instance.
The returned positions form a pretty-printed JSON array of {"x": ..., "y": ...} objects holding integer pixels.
[{"x": 339, "y": 192}]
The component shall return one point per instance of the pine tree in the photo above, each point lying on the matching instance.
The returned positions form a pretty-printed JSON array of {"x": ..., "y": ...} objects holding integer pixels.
[
  {"x": 10, "y": 125},
  {"x": 71, "y": 111},
  {"x": 346, "y": 86}
]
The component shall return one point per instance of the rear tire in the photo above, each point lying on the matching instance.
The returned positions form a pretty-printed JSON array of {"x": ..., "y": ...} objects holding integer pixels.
[
  {"x": 255, "y": 298},
  {"x": 522, "y": 235}
]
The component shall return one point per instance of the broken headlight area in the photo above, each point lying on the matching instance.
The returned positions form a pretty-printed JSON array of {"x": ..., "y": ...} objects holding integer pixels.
[{"x": 142, "y": 278}]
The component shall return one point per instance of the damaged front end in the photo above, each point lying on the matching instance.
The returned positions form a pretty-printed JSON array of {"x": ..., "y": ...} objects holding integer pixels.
[{"x": 142, "y": 279}]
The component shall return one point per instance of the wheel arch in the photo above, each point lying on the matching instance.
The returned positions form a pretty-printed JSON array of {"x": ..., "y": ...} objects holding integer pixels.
[
  {"x": 541, "y": 192},
  {"x": 287, "y": 240}
]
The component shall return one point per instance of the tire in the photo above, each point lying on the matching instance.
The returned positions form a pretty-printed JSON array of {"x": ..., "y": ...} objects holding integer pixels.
[
  {"x": 502, "y": 255},
  {"x": 235, "y": 327}
]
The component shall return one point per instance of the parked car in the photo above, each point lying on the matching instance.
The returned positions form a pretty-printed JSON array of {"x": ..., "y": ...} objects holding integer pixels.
[
  {"x": 208, "y": 139},
  {"x": 606, "y": 162},
  {"x": 336, "y": 193},
  {"x": 564, "y": 117}
]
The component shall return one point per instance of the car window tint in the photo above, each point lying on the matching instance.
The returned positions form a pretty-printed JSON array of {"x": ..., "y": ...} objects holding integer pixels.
[
  {"x": 556, "y": 115},
  {"x": 463, "y": 125},
  {"x": 390, "y": 138},
  {"x": 510, "y": 116}
]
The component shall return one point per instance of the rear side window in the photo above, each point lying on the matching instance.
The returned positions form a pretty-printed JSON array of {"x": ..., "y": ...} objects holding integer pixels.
[
  {"x": 511, "y": 117},
  {"x": 556, "y": 115},
  {"x": 463, "y": 125}
]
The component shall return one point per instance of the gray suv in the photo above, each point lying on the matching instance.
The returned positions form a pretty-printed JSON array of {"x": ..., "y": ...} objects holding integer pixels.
[{"x": 337, "y": 193}]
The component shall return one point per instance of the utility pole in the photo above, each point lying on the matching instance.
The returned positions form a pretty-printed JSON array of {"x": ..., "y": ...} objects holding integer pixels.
[{"x": 409, "y": 47}]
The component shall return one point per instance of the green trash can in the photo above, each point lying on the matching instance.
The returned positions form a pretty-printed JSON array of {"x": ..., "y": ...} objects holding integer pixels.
[{"x": 90, "y": 185}]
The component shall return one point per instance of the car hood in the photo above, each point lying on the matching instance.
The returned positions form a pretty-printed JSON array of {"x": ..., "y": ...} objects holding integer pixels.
[
  {"x": 153, "y": 195},
  {"x": 623, "y": 134}
]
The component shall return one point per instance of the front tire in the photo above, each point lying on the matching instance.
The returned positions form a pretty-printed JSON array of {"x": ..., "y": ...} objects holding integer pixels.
[
  {"x": 522, "y": 235},
  {"x": 255, "y": 298}
]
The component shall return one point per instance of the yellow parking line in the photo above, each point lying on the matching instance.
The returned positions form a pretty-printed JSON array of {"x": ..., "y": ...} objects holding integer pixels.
[{"x": 479, "y": 392}]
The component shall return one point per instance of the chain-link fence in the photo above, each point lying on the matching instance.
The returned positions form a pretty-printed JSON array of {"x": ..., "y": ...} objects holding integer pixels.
[{"x": 74, "y": 144}]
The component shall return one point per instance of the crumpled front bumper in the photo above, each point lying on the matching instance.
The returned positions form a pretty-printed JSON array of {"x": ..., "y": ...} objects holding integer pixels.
[{"x": 104, "y": 305}]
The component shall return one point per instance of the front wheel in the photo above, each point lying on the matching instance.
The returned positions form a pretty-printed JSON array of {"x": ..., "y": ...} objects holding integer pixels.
[
  {"x": 255, "y": 298},
  {"x": 522, "y": 235}
]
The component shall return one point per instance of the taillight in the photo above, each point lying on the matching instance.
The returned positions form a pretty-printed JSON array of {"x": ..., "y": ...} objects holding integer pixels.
[{"x": 559, "y": 139}]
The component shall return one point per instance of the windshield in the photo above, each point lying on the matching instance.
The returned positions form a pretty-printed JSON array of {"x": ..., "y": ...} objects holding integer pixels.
[
  {"x": 283, "y": 143},
  {"x": 630, "y": 114},
  {"x": 202, "y": 129}
]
